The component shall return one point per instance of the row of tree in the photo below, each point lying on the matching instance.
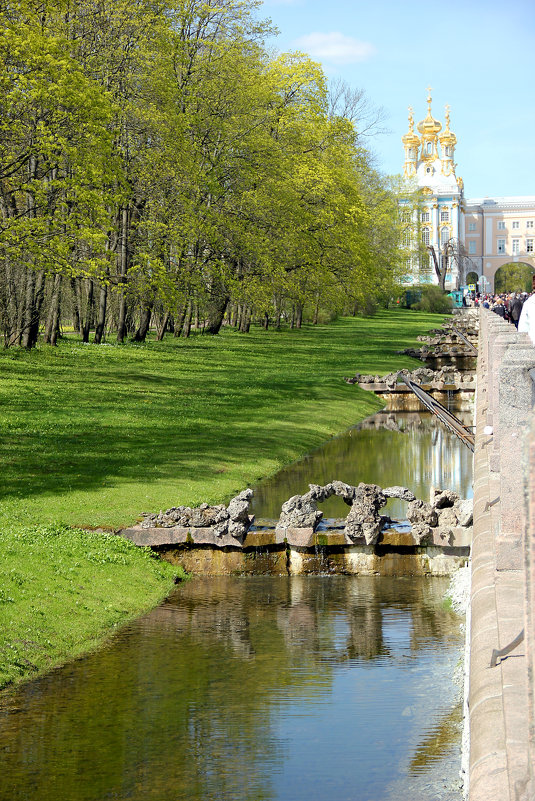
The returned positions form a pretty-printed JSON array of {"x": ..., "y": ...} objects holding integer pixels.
[{"x": 159, "y": 164}]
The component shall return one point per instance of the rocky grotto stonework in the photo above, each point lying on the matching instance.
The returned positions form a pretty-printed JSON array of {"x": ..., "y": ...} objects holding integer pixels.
[
  {"x": 233, "y": 519},
  {"x": 434, "y": 379},
  {"x": 434, "y": 522}
]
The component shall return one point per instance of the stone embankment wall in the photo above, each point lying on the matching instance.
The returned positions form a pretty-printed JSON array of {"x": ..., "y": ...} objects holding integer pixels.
[{"x": 501, "y": 697}]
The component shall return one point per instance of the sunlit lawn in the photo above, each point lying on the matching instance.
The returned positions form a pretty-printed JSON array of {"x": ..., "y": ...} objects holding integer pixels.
[
  {"x": 62, "y": 590},
  {"x": 96, "y": 435}
]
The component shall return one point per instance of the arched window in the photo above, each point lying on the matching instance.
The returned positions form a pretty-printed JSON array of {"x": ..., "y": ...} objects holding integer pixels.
[
  {"x": 429, "y": 148},
  {"x": 447, "y": 150},
  {"x": 425, "y": 236},
  {"x": 407, "y": 237},
  {"x": 444, "y": 236}
]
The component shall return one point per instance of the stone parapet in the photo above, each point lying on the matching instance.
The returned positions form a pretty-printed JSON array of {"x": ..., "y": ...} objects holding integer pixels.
[
  {"x": 529, "y": 551},
  {"x": 501, "y": 697}
]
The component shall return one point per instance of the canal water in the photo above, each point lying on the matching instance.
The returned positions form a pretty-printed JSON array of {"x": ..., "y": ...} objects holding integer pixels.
[
  {"x": 324, "y": 688},
  {"x": 411, "y": 449}
]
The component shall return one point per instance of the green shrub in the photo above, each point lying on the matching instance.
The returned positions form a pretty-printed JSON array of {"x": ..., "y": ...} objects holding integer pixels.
[{"x": 433, "y": 299}]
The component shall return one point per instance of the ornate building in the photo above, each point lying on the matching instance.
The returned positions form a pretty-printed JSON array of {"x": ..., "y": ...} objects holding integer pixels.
[{"x": 440, "y": 226}]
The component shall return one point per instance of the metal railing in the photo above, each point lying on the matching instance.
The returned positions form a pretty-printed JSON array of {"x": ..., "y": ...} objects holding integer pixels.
[
  {"x": 465, "y": 340},
  {"x": 446, "y": 417}
]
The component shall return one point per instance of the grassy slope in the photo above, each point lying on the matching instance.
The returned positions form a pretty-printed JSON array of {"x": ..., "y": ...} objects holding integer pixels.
[
  {"x": 63, "y": 590},
  {"x": 93, "y": 435}
]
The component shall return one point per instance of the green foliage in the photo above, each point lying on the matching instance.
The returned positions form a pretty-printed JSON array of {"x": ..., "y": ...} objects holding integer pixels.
[
  {"x": 64, "y": 589},
  {"x": 513, "y": 278},
  {"x": 166, "y": 153},
  {"x": 433, "y": 300}
]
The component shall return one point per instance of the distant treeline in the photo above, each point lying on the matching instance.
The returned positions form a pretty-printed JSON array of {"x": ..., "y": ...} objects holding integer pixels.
[{"x": 160, "y": 166}]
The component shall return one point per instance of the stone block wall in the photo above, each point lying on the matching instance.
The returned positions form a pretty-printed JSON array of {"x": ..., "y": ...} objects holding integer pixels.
[{"x": 501, "y": 698}]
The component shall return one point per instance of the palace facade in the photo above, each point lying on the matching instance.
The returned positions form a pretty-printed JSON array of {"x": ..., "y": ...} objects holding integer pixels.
[{"x": 465, "y": 238}]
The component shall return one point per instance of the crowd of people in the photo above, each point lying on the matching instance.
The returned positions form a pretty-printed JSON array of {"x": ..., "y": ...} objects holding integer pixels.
[
  {"x": 517, "y": 308},
  {"x": 506, "y": 305}
]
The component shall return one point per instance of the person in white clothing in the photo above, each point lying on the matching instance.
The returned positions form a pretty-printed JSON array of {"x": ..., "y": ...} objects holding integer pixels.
[{"x": 526, "y": 322}]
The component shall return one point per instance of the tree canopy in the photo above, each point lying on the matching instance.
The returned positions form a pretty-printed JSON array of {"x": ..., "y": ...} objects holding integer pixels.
[{"x": 158, "y": 163}]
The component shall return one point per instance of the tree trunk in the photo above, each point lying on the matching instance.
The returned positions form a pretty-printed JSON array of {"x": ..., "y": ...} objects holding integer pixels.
[
  {"x": 123, "y": 269},
  {"x": 37, "y": 307},
  {"x": 17, "y": 338},
  {"x": 88, "y": 310},
  {"x": 186, "y": 326},
  {"x": 162, "y": 327},
  {"x": 144, "y": 323},
  {"x": 298, "y": 315},
  {"x": 278, "y": 312},
  {"x": 11, "y": 299},
  {"x": 179, "y": 322},
  {"x": 27, "y": 311},
  {"x": 239, "y": 313},
  {"x": 102, "y": 309},
  {"x": 35, "y": 289},
  {"x": 265, "y": 321},
  {"x": 216, "y": 314},
  {"x": 75, "y": 307},
  {"x": 316, "y": 310},
  {"x": 245, "y": 323},
  {"x": 52, "y": 322}
]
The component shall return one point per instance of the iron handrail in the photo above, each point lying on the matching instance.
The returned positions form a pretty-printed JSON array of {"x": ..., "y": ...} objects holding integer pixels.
[
  {"x": 465, "y": 340},
  {"x": 446, "y": 417}
]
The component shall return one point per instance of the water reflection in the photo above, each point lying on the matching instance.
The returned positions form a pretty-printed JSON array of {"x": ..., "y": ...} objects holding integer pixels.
[
  {"x": 247, "y": 689},
  {"x": 409, "y": 448}
]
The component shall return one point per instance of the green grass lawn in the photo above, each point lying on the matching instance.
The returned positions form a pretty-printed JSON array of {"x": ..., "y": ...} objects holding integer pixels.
[
  {"x": 62, "y": 590},
  {"x": 96, "y": 435}
]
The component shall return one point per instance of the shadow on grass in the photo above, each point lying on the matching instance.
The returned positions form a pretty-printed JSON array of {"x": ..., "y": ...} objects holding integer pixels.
[{"x": 84, "y": 417}]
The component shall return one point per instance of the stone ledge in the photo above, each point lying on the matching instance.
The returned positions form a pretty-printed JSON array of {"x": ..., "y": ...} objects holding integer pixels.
[{"x": 155, "y": 536}]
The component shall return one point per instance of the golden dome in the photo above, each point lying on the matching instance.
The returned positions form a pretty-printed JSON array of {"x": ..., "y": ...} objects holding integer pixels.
[
  {"x": 410, "y": 139},
  {"x": 429, "y": 126},
  {"x": 448, "y": 137}
]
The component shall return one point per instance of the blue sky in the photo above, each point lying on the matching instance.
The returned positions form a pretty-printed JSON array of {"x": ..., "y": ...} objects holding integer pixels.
[{"x": 477, "y": 56}]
